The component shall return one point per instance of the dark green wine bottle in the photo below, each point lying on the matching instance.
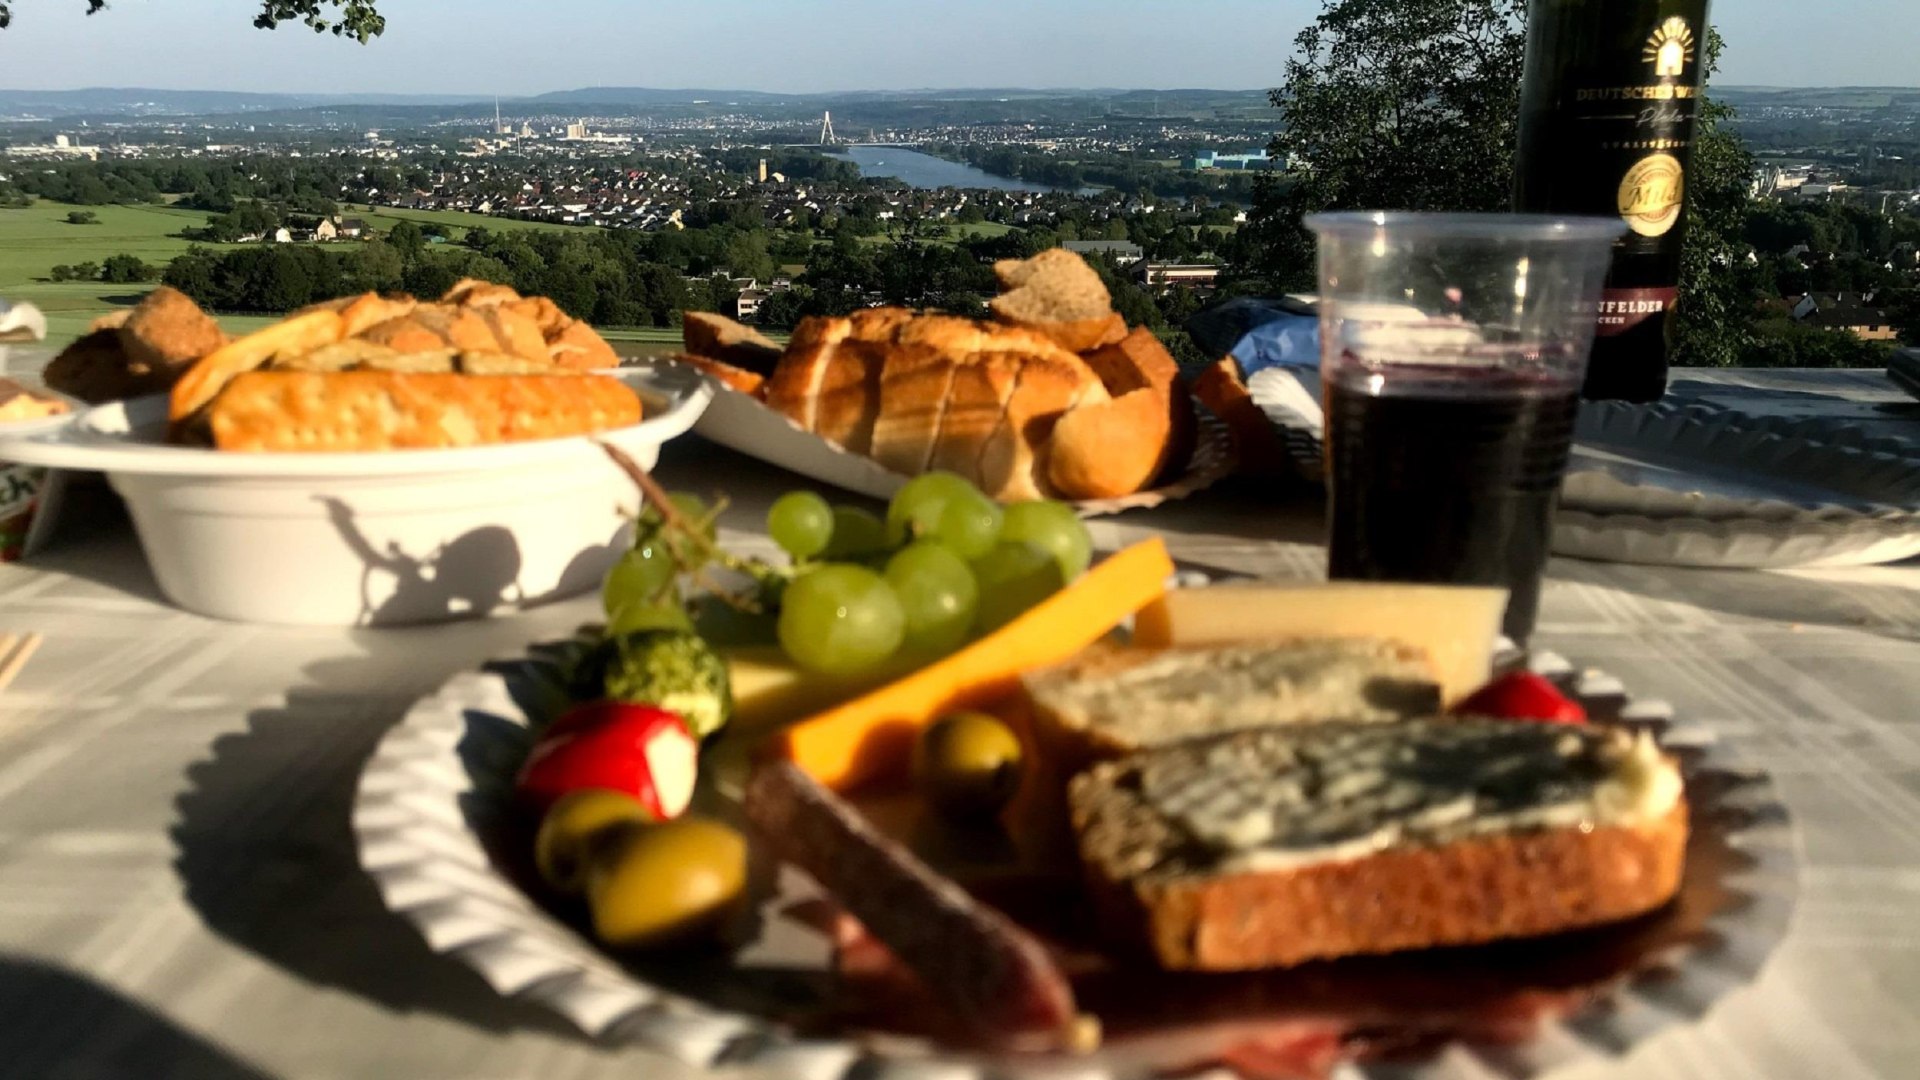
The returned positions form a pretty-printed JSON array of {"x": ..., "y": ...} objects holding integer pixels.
[{"x": 1607, "y": 110}]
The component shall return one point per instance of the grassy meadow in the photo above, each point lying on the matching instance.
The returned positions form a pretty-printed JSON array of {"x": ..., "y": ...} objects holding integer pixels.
[{"x": 36, "y": 239}]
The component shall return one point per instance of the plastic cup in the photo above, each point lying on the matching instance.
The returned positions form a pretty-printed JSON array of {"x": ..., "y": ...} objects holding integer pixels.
[{"x": 1453, "y": 347}]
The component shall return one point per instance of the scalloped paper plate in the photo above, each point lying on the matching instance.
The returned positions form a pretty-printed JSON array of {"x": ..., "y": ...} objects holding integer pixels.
[
  {"x": 1692, "y": 485},
  {"x": 1697, "y": 485},
  {"x": 438, "y": 833},
  {"x": 743, "y": 422}
]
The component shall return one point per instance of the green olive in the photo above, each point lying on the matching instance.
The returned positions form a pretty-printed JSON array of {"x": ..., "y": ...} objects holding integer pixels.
[
  {"x": 572, "y": 825},
  {"x": 665, "y": 884},
  {"x": 967, "y": 765}
]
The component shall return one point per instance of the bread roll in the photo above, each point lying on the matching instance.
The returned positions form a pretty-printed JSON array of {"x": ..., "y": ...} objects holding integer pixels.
[{"x": 1111, "y": 448}]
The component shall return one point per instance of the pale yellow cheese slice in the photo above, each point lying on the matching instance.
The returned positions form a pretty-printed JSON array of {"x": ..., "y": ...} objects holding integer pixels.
[
  {"x": 1456, "y": 625},
  {"x": 770, "y": 690}
]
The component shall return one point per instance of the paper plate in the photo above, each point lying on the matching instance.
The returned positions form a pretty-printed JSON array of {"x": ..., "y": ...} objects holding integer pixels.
[
  {"x": 743, "y": 422},
  {"x": 438, "y": 832},
  {"x": 1691, "y": 485}
]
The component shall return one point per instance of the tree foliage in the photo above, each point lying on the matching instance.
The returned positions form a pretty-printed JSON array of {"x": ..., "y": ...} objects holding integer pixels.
[
  {"x": 357, "y": 19},
  {"x": 1719, "y": 279},
  {"x": 1390, "y": 105}
]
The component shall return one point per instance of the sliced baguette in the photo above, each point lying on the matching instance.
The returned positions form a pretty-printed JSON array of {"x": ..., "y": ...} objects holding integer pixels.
[{"x": 1271, "y": 848}]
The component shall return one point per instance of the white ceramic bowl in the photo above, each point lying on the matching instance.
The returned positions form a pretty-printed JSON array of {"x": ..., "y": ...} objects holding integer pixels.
[
  {"x": 30, "y": 491},
  {"x": 373, "y": 539}
]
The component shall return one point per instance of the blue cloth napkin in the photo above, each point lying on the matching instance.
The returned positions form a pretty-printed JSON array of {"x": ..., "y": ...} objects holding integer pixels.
[{"x": 1283, "y": 340}]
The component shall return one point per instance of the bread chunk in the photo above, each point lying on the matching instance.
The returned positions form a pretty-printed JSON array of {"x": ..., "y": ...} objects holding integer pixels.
[
  {"x": 1273, "y": 847},
  {"x": 1255, "y": 443},
  {"x": 143, "y": 350},
  {"x": 1113, "y": 448},
  {"x": 1117, "y": 700},
  {"x": 1058, "y": 294},
  {"x": 716, "y": 337}
]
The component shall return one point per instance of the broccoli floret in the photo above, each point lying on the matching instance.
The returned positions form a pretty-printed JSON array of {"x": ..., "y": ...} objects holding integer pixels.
[{"x": 671, "y": 669}]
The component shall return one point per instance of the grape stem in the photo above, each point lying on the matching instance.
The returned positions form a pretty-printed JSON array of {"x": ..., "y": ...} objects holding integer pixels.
[{"x": 694, "y": 535}]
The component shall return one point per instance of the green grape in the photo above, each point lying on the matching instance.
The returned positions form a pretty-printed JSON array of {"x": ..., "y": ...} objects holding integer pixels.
[
  {"x": 1013, "y": 577},
  {"x": 694, "y": 509},
  {"x": 640, "y": 577},
  {"x": 801, "y": 522},
  {"x": 643, "y": 615},
  {"x": 916, "y": 507},
  {"x": 937, "y": 594},
  {"x": 841, "y": 620},
  {"x": 856, "y": 532},
  {"x": 1054, "y": 526},
  {"x": 969, "y": 524}
]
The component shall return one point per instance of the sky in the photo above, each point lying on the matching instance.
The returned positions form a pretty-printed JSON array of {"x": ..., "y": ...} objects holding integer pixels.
[{"x": 513, "y": 47}]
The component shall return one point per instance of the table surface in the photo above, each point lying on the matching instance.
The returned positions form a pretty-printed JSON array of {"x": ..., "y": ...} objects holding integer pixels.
[{"x": 179, "y": 894}]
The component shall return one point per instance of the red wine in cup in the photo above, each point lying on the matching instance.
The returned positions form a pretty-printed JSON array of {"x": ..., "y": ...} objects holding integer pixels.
[{"x": 1447, "y": 474}]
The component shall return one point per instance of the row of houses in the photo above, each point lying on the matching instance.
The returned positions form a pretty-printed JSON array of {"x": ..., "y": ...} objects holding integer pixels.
[
  {"x": 327, "y": 231},
  {"x": 1859, "y": 314}
]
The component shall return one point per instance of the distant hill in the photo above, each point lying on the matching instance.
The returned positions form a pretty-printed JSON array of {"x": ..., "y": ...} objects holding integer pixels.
[
  {"x": 137, "y": 102},
  {"x": 1819, "y": 97}
]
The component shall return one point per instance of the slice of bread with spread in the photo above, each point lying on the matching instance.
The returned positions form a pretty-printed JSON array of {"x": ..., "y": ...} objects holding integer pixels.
[
  {"x": 1115, "y": 700},
  {"x": 1274, "y": 847}
]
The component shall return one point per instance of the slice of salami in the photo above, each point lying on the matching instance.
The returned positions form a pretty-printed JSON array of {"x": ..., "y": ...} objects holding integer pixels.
[{"x": 995, "y": 976}]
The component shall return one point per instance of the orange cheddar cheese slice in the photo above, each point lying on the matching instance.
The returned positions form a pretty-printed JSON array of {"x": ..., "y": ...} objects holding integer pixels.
[{"x": 872, "y": 736}]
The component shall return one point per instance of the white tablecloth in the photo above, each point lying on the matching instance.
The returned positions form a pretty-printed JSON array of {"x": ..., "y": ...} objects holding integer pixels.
[{"x": 179, "y": 895}]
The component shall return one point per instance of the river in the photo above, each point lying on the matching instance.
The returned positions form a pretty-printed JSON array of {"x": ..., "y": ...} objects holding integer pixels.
[{"x": 926, "y": 171}]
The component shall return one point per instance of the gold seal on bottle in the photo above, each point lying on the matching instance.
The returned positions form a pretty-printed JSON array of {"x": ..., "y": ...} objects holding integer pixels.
[{"x": 1651, "y": 194}]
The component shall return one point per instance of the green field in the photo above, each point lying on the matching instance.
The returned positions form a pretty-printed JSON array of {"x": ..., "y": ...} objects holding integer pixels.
[
  {"x": 35, "y": 240},
  {"x": 384, "y": 218}
]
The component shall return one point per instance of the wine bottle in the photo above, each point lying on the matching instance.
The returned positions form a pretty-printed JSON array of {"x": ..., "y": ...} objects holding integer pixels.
[{"x": 1607, "y": 108}]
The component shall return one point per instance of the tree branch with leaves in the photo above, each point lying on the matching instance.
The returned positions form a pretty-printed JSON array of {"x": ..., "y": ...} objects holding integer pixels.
[{"x": 357, "y": 19}]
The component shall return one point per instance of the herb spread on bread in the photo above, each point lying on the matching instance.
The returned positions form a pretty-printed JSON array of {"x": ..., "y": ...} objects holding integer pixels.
[{"x": 1269, "y": 847}]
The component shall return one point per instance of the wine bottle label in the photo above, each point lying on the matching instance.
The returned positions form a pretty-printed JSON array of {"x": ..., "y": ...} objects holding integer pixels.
[
  {"x": 1652, "y": 193},
  {"x": 1622, "y": 310}
]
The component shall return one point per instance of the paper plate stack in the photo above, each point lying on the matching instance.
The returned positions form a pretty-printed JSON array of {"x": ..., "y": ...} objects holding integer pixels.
[{"x": 1697, "y": 485}]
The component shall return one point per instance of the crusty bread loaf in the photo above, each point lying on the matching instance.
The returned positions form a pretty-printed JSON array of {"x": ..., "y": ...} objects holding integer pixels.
[
  {"x": 1273, "y": 847},
  {"x": 371, "y": 410},
  {"x": 1115, "y": 700},
  {"x": 847, "y": 404},
  {"x": 902, "y": 387},
  {"x": 291, "y": 336}
]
